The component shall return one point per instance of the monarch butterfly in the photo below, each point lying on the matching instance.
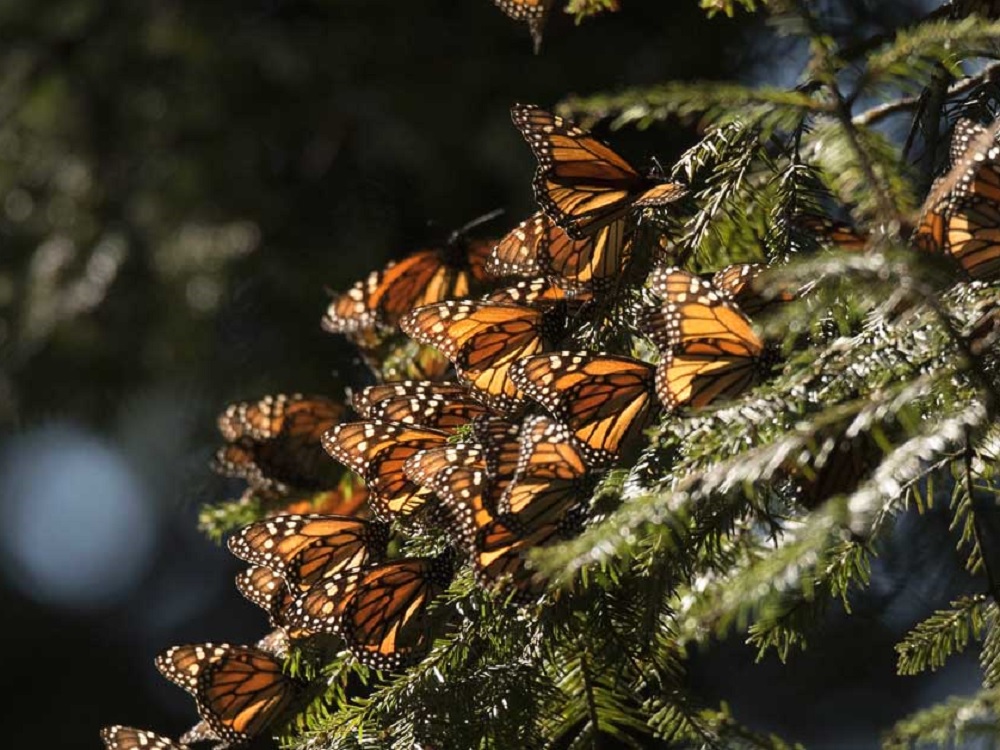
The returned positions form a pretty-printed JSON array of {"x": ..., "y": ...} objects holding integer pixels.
[
  {"x": 836, "y": 466},
  {"x": 605, "y": 400},
  {"x": 582, "y": 184},
  {"x": 380, "y": 611},
  {"x": 483, "y": 340},
  {"x": 349, "y": 498},
  {"x": 740, "y": 283},
  {"x": 239, "y": 690},
  {"x": 424, "y": 403},
  {"x": 457, "y": 474},
  {"x": 551, "y": 476},
  {"x": 266, "y": 589},
  {"x": 547, "y": 504},
  {"x": 500, "y": 442},
  {"x": 831, "y": 232},
  {"x": 275, "y": 441},
  {"x": 128, "y": 738},
  {"x": 961, "y": 216},
  {"x": 532, "y": 11},
  {"x": 709, "y": 348},
  {"x": 376, "y": 450},
  {"x": 306, "y": 549},
  {"x": 540, "y": 247},
  {"x": 378, "y": 301},
  {"x": 538, "y": 292}
]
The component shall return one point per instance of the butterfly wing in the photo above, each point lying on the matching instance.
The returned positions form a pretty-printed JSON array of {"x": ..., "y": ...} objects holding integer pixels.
[
  {"x": 385, "y": 621},
  {"x": 129, "y": 738},
  {"x": 605, "y": 400},
  {"x": 581, "y": 183},
  {"x": 303, "y": 549},
  {"x": 377, "y": 451}
]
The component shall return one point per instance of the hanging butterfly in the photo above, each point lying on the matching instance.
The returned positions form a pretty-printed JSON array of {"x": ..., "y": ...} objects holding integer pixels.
[
  {"x": 581, "y": 183},
  {"x": 541, "y": 292},
  {"x": 239, "y": 690},
  {"x": 533, "y": 12},
  {"x": 483, "y": 340},
  {"x": 709, "y": 349},
  {"x": 441, "y": 406},
  {"x": 382, "y": 611},
  {"x": 376, "y": 451},
  {"x": 961, "y": 215},
  {"x": 305, "y": 549},
  {"x": 827, "y": 231},
  {"x": 266, "y": 589},
  {"x": 349, "y": 498},
  {"x": 457, "y": 474},
  {"x": 129, "y": 738},
  {"x": 454, "y": 270},
  {"x": 741, "y": 282},
  {"x": 835, "y": 465},
  {"x": 540, "y": 247},
  {"x": 275, "y": 441},
  {"x": 552, "y": 478},
  {"x": 549, "y": 504},
  {"x": 605, "y": 400}
]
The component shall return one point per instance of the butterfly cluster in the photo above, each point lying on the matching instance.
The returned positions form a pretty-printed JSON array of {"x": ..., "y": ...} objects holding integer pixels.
[{"x": 526, "y": 389}]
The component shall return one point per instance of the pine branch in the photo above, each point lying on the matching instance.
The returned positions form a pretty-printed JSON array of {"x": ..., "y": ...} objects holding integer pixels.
[{"x": 946, "y": 632}]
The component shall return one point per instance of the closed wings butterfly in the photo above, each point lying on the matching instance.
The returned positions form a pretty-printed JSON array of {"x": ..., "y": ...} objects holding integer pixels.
[
  {"x": 483, "y": 339},
  {"x": 381, "y": 611},
  {"x": 129, "y": 738},
  {"x": 376, "y": 451},
  {"x": 273, "y": 443},
  {"x": 605, "y": 400},
  {"x": 961, "y": 216},
  {"x": 533, "y": 12},
  {"x": 540, "y": 247},
  {"x": 581, "y": 183},
  {"x": 303, "y": 549},
  {"x": 239, "y": 690},
  {"x": 440, "y": 406},
  {"x": 709, "y": 349},
  {"x": 743, "y": 283}
]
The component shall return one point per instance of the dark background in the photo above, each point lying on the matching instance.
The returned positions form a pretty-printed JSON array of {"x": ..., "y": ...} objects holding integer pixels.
[{"x": 178, "y": 182}]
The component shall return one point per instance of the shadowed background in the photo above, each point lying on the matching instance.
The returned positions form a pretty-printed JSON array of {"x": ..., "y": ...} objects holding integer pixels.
[{"x": 178, "y": 182}]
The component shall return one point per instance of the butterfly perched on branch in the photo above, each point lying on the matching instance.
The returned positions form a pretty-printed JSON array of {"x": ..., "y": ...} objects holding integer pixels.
[
  {"x": 239, "y": 691},
  {"x": 581, "y": 183},
  {"x": 708, "y": 346}
]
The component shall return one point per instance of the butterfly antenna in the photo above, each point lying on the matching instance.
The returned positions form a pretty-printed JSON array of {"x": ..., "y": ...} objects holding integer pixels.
[{"x": 478, "y": 221}]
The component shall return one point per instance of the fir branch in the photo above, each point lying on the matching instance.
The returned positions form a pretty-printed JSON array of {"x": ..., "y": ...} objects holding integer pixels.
[
  {"x": 950, "y": 723},
  {"x": 714, "y": 103},
  {"x": 989, "y": 656},
  {"x": 946, "y": 632}
]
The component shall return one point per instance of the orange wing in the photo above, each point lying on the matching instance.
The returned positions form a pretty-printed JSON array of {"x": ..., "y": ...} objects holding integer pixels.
[
  {"x": 385, "y": 619},
  {"x": 424, "y": 403},
  {"x": 483, "y": 340},
  {"x": 540, "y": 247},
  {"x": 605, "y": 400},
  {"x": 377, "y": 451},
  {"x": 129, "y": 738},
  {"x": 581, "y": 183},
  {"x": 741, "y": 283},
  {"x": 305, "y": 549}
]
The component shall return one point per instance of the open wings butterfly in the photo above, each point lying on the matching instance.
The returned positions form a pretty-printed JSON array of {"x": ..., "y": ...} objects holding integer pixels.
[{"x": 581, "y": 183}]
